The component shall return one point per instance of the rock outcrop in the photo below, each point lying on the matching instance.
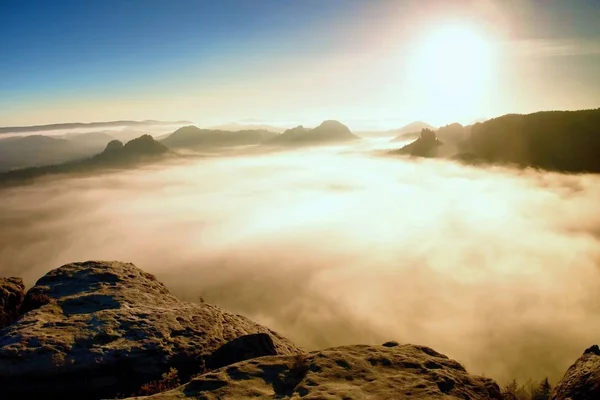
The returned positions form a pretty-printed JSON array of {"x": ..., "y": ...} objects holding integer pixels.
[
  {"x": 350, "y": 372},
  {"x": 99, "y": 329},
  {"x": 12, "y": 293},
  {"x": 425, "y": 146},
  {"x": 582, "y": 379}
]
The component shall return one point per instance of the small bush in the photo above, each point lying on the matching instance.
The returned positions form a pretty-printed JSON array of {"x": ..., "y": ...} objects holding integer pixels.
[
  {"x": 169, "y": 380},
  {"x": 528, "y": 391}
]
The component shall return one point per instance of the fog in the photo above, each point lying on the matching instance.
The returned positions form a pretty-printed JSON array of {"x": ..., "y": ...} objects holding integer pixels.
[{"x": 494, "y": 267}]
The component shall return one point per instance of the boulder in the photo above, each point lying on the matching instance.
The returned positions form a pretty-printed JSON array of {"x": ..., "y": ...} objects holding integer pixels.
[
  {"x": 12, "y": 292},
  {"x": 101, "y": 329},
  {"x": 348, "y": 372},
  {"x": 582, "y": 379}
]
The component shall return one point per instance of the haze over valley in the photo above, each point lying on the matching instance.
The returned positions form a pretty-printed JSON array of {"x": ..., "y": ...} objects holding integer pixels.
[
  {"x": 362, "y": 247},
  {"x": 396, "y": 199}
]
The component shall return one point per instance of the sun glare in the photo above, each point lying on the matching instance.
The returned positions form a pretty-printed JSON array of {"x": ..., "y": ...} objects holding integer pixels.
[{"x": 450, "y": 72}]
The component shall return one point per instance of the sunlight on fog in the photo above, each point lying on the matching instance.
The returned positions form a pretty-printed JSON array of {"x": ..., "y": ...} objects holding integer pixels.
[
  {"x": 450, "y": 71},
  {"x": 496, "y": 268}
]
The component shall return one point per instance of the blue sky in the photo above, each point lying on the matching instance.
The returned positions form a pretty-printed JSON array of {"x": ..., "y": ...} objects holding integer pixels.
[{"x": 219, "y": 61}]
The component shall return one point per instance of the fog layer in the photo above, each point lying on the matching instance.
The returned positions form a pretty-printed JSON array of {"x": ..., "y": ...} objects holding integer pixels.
[{"x": 494, "y": 267}]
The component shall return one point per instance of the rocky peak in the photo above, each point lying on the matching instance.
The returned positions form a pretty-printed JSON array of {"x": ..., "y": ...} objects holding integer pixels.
[
  {"x": 145, "y": 144},
  {"x": 428, "y": 135},
  {"x": 113, "y": 145},
  {"x": 582, "y": 379}
]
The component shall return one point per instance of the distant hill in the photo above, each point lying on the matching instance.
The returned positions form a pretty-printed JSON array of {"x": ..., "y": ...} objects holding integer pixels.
[
  {"x": 76, "y": 125},
  {"x": 115, "y": 155},
  {"x": 135, "y": 150},
  {"x": 566, "y": 141},
  {"x": 88, "y": 138},
  {"x": 193, "y": 137},
  {"x": 36, "y": 150},
  {"x": 554, "y": 140},
  {"x": 237, "y": 126},
  {"x": 328, "y": 132}
]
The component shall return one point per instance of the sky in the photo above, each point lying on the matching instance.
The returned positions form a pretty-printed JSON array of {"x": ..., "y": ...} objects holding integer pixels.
[{"x": 370, "y": 64}]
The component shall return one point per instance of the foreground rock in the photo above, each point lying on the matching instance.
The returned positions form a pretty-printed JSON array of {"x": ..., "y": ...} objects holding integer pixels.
[
  {"x": 241, "y": 349},
  {"x": 390, "y": 371},
  {"x": 105, "y": 328},
  {"x": 12, "y": 292},
  {"x": 582, "y": 379}
]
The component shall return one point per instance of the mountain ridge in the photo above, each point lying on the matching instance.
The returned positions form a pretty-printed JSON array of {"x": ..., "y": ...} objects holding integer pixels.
[{"x": 76, "y": 125}]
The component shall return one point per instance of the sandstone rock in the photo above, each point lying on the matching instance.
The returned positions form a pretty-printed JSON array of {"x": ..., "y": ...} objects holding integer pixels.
[
  {"x": 109, "y": 328},
  {"x": 349, "y": 372},
  {"x": 241, "y": 349},
  {"x": 582, "y": 379},
  {"x": 12, "y": 292}
]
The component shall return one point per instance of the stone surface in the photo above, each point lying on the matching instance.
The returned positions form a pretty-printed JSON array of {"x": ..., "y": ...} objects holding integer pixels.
[
  {"x": 582, "y": 379},
  {"x": 12, "y": 292},
  {"x": 349, "y": 372},
  {"x": 108, "y": 328}
]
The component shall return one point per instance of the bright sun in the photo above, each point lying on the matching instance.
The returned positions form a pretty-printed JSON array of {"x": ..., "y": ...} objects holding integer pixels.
[{"x": 450, "y": 72}]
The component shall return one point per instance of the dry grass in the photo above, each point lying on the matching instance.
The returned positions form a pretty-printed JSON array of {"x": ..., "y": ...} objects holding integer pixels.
[{"x": 168, "y": 381}]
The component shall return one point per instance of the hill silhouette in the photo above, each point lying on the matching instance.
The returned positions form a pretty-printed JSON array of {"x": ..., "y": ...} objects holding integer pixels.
[
  {"x": 36, "y": 150},
  {"x": 566, "y": 141},
  {"x": 115, "y": 155},
  {"x": 77, "y": 125},
  {"x": 410, "y": 131},
  {"x": 328, "y": 132},
  {"x": 248, "y": 125},
  {"x": 194, "y": 138}
]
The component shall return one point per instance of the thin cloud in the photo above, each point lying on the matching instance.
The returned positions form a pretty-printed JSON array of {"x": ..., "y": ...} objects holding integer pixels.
[{"x": 555, "y": 47}]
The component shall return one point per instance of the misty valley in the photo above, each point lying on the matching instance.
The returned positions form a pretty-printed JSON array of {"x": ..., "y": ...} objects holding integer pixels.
[
  {"x": 333, "y": 239},
  {"x": 285, "y": 200}
]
